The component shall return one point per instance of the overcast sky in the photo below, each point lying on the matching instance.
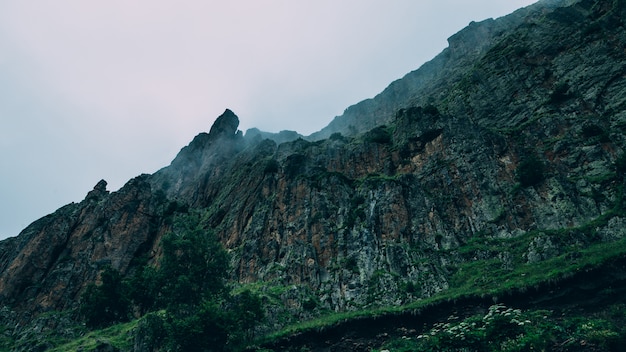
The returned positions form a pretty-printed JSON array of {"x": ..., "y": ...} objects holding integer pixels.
[{"x": 94, "y": 90}]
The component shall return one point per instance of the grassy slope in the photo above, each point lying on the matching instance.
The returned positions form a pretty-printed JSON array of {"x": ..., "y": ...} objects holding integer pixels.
[
  {"x": 500, "y": 283},
  {"x": 487, "y": 278},
  {"x": 120, "y": 336}
]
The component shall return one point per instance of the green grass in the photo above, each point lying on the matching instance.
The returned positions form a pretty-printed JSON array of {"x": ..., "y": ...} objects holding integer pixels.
[
  {"x": 487, "y": 277},
  {"x": 600, "y": 179},
  {"x": 6, "y": 341},
  {"x": 327, "y": 321},
  {"x": 480, "y": 278},
  {"x": 121, "y": 336},
  {"x": 580, "y": 250},
  {"x": 484, "y": 278},
  {"x": 499, "y": 284},
  {"x": 509, "y": 329}
]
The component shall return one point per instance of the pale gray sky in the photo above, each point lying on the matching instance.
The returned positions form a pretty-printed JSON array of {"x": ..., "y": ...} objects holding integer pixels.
[{"x": 94, "y": 90}]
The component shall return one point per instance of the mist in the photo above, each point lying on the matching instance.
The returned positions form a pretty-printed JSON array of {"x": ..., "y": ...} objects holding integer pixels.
[{"x": 110, "y": 90}]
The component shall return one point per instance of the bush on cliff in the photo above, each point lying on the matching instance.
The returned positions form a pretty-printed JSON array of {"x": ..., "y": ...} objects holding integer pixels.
[
  {"x": 530, "y": 171},
  {"x": 192, "y": 308},
  {"x": 107, "y": 303}
]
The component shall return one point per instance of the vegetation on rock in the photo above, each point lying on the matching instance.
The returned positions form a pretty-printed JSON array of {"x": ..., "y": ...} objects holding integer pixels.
[
  {"x": 189, "y": 305},
  {"x": 493, "y": 175}
]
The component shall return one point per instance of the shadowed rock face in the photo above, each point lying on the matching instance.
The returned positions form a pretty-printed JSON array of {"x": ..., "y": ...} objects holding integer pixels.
[
  {"x": 348, "y": 221},
  {"x": 56, "y": 256}
]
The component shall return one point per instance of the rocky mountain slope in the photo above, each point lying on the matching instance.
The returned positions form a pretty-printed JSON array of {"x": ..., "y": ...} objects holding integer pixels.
[
  {"x": 498, "y": 165},
  {"x": 431, "y": 81}
]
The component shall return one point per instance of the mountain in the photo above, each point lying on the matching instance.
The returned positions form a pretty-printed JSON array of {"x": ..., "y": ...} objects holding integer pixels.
[
  {"x": 491, "y": 176},
  {"x": 430, "y": 82}
]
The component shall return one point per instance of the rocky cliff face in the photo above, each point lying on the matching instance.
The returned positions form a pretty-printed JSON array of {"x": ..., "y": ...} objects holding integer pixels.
[
  {"x": 422, "y": 86},
  {"x": 51, "y": 260},
  {"x": 515, "y": 132}
]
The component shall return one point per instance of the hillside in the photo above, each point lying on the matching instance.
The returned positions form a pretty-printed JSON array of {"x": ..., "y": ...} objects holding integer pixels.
[{"x": 492, "y": 175}]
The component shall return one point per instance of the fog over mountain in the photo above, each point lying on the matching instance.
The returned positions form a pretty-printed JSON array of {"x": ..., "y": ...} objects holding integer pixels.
[
  {"x": 476, "y": 203},
  {"x": 111, "y": 90}
]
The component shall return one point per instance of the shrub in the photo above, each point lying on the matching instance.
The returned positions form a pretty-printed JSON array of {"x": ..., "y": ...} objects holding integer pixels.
[
  {"x": 194, "y": 265},
  {"x": 591, "y": 131},
  {"x": 194, "y": 309},
  {"x": 337, "y": 136},
  {"x": 247, "y": 308},
  {"x": 530, "y": 171},
  {"x": 107, "y": 303},
  {"x": 271, "y": 167},
  {"x": 431, "y": 110},
  {"x": 351, "y": 264},
  {"x": 413, "y": 289},
  {"x": 206, "y": 329},
  {"x": 309, "y": 304},
  {"x": 560, "y": 93},
  {"x": 620, "y": 164},
  {"x": 295, "y": 164},
  {"x": 379, "y": 135},
  {"x": 500, "y": 329},
  {"x": 200, "y": 314}
]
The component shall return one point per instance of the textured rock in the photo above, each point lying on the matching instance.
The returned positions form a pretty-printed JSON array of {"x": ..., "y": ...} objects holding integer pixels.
[
  {"x": 255, "y": 135},
  {"x": 419, "y": 181},
  {"x": 225, "y": 125},
  {"x": 432, "y": 80},
  {"x": 59, "y": 254}
]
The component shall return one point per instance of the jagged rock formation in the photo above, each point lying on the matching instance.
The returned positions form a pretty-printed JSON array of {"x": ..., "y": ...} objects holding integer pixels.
[
  {"x": 280, "y": 137},
  {"x": 513, "y": 132},
  {"x": 428, "y": 83},
  {"x": 52, "y": 260}
]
